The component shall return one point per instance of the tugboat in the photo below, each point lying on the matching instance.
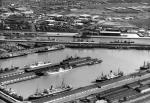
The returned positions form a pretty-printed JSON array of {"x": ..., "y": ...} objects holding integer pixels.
[
  {"x": 60, "y": 70},
  {"x": 51, "y": 91}
]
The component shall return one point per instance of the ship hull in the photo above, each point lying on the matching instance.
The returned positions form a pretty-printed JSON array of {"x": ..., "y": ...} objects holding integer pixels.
[{"x": 37, "y": 97}]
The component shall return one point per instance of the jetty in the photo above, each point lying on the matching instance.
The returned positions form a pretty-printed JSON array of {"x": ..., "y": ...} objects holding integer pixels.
[{"x": 92, "y": 44}]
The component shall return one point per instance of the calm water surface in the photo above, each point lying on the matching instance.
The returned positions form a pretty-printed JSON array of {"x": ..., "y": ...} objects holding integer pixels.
[{"x": 126, "y": 60}]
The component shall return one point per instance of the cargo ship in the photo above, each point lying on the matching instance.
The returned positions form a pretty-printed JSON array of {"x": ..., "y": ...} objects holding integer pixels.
[
  {"x": 146, "y": 66},
  {"x": 50, "y": 92},
  {"x": 36, "y": 66},
  {"x": 111, "y": 75},
  {"x": 65, "y": 65}
]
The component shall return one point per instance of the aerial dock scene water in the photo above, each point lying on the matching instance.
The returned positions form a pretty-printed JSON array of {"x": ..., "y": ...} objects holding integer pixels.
[
  {"x": 74, "y": 51},
  {"x": 88, "y": 72}
]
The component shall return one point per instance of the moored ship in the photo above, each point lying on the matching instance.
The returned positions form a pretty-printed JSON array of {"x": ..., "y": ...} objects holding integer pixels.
[
  {"x": 146, "y": 66},
  {"x": 50, "y": 91},
  {"x": 37, "y": 66},
  {"x": 111, "y": 75},
  {"x": 65, "y": 64}
]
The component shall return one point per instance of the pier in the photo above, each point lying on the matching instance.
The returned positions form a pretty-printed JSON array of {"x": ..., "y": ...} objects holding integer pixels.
[
  {"x": 32, "y": 73},
  {"x": 93, "y": 89},
  {"x": 75, "y": 51},
  {"x": 8, "y": 98},
  {"x": 30, "y": 51},
  {"x": 138, "y": 46}
]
